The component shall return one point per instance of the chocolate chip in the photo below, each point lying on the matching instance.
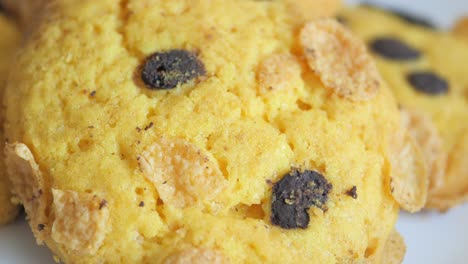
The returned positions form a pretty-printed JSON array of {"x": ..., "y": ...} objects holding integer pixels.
[
  {"x": 142, "y": 204},
  {"x": 428, "y": 83},
  {"x": 394, "y": 49},
  {"x": 92, "y": 94},
  {"x": 413, "y": 19},
  {"x": 296, "y": 192},
  {"x": 167, "y": 70},
  {"x": 352, "y": 192},
  {"x": 40, "y": 227}
]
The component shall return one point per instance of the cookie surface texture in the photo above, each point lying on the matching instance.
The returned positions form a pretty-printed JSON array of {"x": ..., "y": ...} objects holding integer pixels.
[
  {"x": 229, "y": 150},
  {"x": 426, "y": 72},
  {"x": 9, "y": 41}
]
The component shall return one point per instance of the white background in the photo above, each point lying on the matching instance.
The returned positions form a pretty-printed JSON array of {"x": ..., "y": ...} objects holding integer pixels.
[{"x": 432, "y": 238}]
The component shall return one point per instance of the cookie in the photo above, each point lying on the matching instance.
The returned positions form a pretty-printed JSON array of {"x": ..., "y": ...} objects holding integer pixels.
[
  {"x": 9, "y": 41},
  {"x": 425, "y": 69},
  {"x": 196, "y": 131}
]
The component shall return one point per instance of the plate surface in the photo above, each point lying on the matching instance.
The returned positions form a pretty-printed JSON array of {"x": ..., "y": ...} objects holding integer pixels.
[{"x": 432, "y": 238}]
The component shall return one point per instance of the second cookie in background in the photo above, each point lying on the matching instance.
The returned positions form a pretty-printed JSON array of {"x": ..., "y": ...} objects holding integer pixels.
[{"x": 426, "y": 70}]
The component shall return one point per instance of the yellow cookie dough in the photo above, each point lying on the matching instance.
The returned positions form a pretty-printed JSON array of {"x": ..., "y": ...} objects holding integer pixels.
[
  {"x": 9, "y": 40},
  {"x": 437, "y": 119},
  {"x": 112, "y": 168}
]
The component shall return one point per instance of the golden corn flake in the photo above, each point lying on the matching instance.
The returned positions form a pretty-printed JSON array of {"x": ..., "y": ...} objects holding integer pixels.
[
  {"x": 181, "y": 173},
  {"x": 454, "y": 189},
  {"x": 424, "y": 132},
  {"x": 196, "y": 256},
  {"x": 340, "y": 60},
  {"x": 394, "y": 250},
  {"x": 28, "y": 182},
  {"x": 81, "y": 221},
  {"x": 409, "y": 178},
  {"x": 278, "y": 72}
]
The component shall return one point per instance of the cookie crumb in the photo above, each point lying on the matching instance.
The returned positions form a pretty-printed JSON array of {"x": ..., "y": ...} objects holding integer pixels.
[
  {"x": 352, "y": 192},
  {"x": 102, "y": 204}
]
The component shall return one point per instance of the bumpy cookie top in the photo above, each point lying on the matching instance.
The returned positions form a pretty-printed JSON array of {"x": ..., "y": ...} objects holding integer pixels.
[
  {"x": 201, "y": 131},
  {"x": 426, "y": 70}
]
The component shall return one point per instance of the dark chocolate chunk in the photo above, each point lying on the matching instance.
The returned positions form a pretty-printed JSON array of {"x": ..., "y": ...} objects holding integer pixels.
[
  {"x": 296, "y": 192},
  {"x": 352, "y": 192},
  {"x": 394, "y": 49},
  {"x": 413, "y": 19},
  {"x": 167, "y": 70},
  {"x": 428, "y": 82}
]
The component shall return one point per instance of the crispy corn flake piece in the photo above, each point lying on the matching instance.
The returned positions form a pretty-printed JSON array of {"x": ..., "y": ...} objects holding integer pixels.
[
  {"x": 196, "y": 256},
  {"x": 425, "y": 134},
  {"x": 454, "y": 189},
  {"x": 409, "y": 179},
  {"x": 340, "y": 60},
  {"x": 81, "y": 221},
  {"x": 278, "y": 72},
  {"x": 28, "y": 182},
  {"x": 394, "y": 250},
  {"x": 181, "y": 173}
]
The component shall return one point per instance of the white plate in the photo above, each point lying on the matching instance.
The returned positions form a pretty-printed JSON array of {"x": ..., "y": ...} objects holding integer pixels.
[{"x": 431, "y": 238}]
